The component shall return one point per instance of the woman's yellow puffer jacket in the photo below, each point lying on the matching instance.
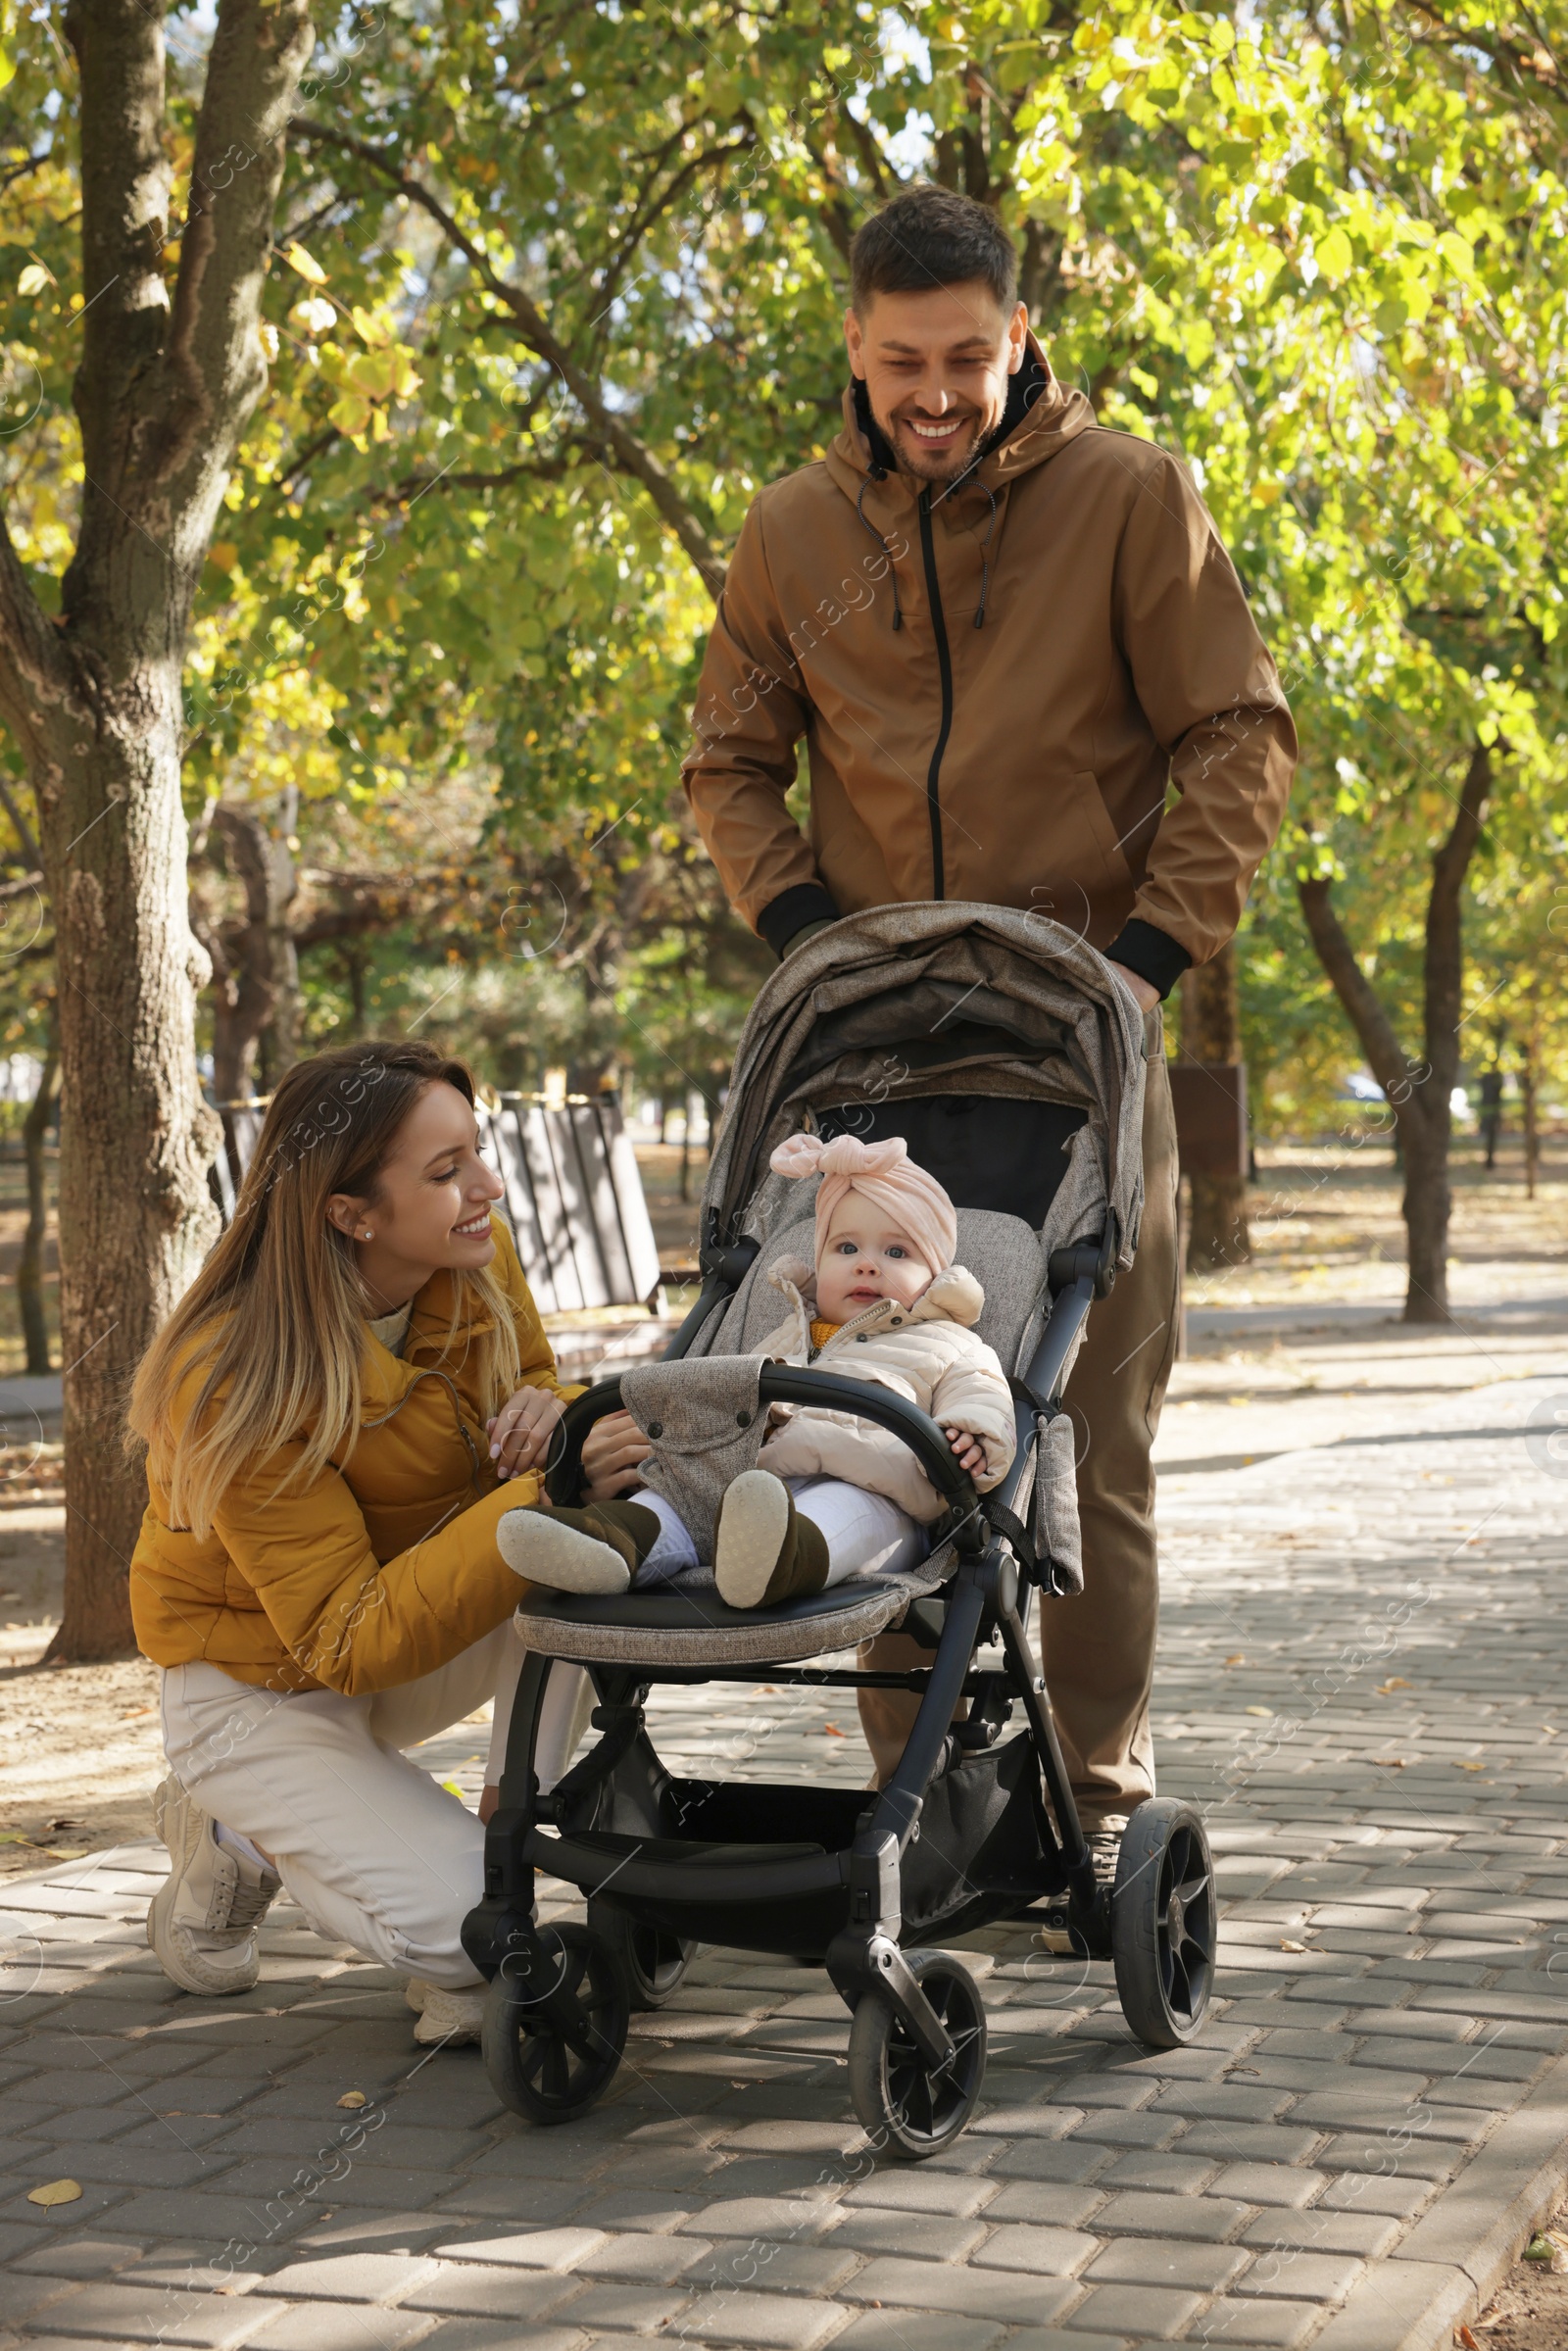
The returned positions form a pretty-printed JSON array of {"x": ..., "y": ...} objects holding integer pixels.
[{"x": 381, "y": 1567}]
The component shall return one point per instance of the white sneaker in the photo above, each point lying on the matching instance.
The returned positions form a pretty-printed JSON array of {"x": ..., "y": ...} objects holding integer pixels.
[
  {"x": 451, "y": 2018},
  {"x": 202, "y": 1921}
]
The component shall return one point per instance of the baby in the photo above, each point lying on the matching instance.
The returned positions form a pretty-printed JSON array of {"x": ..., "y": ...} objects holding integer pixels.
[{"x": 832, "y": 1495}]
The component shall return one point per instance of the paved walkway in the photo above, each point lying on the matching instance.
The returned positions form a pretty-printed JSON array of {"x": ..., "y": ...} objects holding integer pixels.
[{"x": 1362, "y": 1681}]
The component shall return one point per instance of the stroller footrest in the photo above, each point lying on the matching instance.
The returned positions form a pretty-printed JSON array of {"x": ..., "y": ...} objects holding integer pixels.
[{"x": 685, "y": 1870}]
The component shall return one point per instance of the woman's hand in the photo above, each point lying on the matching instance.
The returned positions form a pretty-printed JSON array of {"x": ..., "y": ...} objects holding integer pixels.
[
  {"x": 613, "y": 1453},
  {"x": 520, "y": 1432},
  {"x": 970, "y": 1452}
]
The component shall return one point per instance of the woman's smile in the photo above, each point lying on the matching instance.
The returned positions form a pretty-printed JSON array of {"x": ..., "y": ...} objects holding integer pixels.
[{"x": 472, "y": 1231}]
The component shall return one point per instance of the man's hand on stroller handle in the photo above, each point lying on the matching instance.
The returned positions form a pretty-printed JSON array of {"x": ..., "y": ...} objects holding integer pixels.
[
  {"x": 613, "y": 1455},
  {"x": 970, "y": 1452},
  {"x": 520, "y": 1432}
]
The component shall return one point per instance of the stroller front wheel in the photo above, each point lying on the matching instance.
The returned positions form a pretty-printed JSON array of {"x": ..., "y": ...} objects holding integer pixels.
[
  {"x": 554, "y": 2033},
  {"x": 904, "y": 2108},
  {"x": 653, "y": 1958},
  {"x": 1163, "y": 1923}
]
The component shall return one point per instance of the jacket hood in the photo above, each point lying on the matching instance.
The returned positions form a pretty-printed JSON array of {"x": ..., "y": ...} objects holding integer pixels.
[
  {"x": 1042, "y": 415},
  {"x": 954, "y": 1296}
]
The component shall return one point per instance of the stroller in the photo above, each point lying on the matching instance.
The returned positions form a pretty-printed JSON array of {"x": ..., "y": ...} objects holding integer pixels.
[{"x": 1011, "y": 1060}]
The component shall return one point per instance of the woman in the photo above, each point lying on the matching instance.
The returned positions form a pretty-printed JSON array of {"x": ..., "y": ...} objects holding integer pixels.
[{"x": 354, "y": 1391}]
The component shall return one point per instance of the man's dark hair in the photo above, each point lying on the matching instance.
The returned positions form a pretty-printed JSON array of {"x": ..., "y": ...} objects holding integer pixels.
[{"x": 930, "y": 237}]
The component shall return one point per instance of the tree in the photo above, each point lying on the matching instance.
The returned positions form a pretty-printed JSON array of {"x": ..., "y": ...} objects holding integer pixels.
[
  {"x": 90, "y": 690},
  {"x": 1212, "y": 1031}
]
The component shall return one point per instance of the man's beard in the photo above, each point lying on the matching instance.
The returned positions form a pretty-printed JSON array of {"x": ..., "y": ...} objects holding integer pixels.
[{"x": 929, "y": 464}]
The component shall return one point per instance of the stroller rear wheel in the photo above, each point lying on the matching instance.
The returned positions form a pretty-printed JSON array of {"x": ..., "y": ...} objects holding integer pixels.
[
  {"x": 1163, "y": 1923},
  {"x": 902, "y": 2105},
  {"x": 553, "y": 2037},
  {"x": 655, "y": 1960}
]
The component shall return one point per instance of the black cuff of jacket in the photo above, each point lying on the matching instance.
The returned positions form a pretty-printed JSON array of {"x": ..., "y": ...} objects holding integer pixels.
[
  {"x": 1153, "y": 955},
  {"x": 792, "y": 910}
]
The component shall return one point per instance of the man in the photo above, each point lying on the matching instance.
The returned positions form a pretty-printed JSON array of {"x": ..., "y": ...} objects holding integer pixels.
[{"x": 1005, "y": 632}]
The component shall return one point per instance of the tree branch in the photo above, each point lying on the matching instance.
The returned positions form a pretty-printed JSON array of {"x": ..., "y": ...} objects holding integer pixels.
[
  {"x": 635, "y": 456},
  {"x": 215, "y": 368}
]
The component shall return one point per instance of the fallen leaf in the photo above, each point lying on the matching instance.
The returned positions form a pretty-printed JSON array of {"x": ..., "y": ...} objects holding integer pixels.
[
  {"x": 1388, "y": 1763},
  {"x": 15, "y": 1836},
  {"x": 354, "y": 2098},
  {"x": 1265, "y": 1710},
  {"x": 1539, "y": 2248},
  {"x": 1288, "y": 1946},
  {"x": 1472, "y": 1767},
  {"x": 63, "y": 1852},
  {"x": 1395, "y": 1681},
  {"x": 832, "y": 1730},
  {"x": 133, "y": 1712},
  {"x": 1468, "y": 2339},
  {"x": 66, "y": 2191},
  {"x": 1238, "y": 1659}
]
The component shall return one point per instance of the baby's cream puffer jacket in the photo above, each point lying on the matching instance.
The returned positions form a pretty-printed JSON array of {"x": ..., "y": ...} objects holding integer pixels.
[{"x": 926, "y": 1352}]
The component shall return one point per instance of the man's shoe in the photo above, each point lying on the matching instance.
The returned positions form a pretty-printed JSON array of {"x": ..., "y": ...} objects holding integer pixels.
[
  {"x": 597, "y": 1550},
  {"x": 763, "y": 1551},
  {"x": 451, "y": 2020},
  {"x": 202, "y": 1922},
  {"x": 1064, "y": 1927}
]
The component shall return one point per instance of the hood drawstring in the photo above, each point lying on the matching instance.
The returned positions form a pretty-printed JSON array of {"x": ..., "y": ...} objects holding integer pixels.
[
  {"x": 985, "y": 561},
  {"x": 879, "y": 474}
]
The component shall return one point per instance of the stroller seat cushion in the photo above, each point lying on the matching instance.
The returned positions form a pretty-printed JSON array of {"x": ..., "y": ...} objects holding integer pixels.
[{"x": 688, "y": 1623}]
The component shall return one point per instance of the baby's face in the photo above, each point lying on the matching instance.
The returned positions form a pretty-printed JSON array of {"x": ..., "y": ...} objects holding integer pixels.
[{"x": 864, "y": 1259}]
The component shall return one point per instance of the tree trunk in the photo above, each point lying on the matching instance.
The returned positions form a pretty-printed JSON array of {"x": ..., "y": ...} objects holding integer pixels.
[
  {"x": 1212, "y": 1031},
  {"x": 29, "y": 1264},
  {"x": 93, "y": 699},
  {"x": 1418, "y": 1092},
  {"x": 257, "y": 1004},
  {"x": 1529, "y": 1091}
]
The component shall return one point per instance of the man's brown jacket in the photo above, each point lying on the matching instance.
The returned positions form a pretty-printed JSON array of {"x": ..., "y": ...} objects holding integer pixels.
[{"x": 998, "y": 684}]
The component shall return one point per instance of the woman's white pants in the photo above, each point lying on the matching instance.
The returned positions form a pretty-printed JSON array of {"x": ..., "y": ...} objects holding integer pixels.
[{"x": 374, "y": 1851}]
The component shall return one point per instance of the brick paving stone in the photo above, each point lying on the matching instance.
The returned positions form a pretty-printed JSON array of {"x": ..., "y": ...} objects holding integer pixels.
[
  {"x": 902, "y": 2330},
  {"x": 1269, "y": 2184},
  {"x": 339, "y": 2327},
  {"x": 630, "y": 2309},
  {"x": 1108, "y": 2128},
  {"x": 1303, "y": 2276},
  {"x": 1137, "y": 2310},
  {"x": 534, "y": 2249},
  {"x": 353, "y": 2276},
  {"x": 128, "y": 2313},
  {"x": 1173, "y": 2175},
  {"x": 1044, "y": 2200},
  {"x": 784, "y": 2219},
  {"x": 773, "y": 2269},
  {"x": 478, "y": 2292},
  {"x": 926, "y": 2235},
  {"x": 1255, "y": 2142},
  {"x": 1163, "y": 2261},
  {"x": 760, "y": 2322},
  {"x": 89, "y": 2255},
  {"x": 1275, "y": 2325},
  {"x": 1051, "y": 2252},
  {"x": 921, "y": 2190},
  {"x": 1001, "y": 2295},
  {"x": 1323, "y": 2230}
]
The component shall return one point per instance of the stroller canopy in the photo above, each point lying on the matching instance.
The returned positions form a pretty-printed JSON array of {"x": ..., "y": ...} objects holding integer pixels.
[{"x": 1002, "y": 1047}]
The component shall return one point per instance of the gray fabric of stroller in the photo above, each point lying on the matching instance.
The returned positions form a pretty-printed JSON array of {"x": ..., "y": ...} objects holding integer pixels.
[
  {"x": 1054, "y": 1527},
  {"x": 705, "y": 1426},
  {"x": 935, "y": 999},
  {"x": 864, "y": 1607}
]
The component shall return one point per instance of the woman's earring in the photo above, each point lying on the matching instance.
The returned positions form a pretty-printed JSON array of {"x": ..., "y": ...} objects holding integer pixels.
[{"x": 367, "y": 1235}]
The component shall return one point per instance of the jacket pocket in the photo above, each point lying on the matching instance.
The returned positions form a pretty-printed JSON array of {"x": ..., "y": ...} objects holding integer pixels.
[{"x": 1089, "y": 811}]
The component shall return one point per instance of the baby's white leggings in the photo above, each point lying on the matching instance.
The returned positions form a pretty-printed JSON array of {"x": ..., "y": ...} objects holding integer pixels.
[{"x": 864, "y": 1532}]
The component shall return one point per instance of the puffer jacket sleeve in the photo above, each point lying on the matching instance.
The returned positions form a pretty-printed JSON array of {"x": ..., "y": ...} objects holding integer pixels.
[
  {"x": 346, "y": 1619},
  {"x": 971, "y": 1393}
]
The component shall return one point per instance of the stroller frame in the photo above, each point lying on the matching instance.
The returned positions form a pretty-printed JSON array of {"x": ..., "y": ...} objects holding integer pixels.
[{"x": 558, "y": 2009}]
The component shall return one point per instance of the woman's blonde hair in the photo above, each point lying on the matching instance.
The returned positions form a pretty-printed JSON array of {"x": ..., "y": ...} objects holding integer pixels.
[{"x": 273, "y": 1325}]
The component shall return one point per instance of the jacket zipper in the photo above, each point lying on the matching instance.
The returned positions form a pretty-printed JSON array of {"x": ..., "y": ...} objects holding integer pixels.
[{"x": 945, "y": 670}]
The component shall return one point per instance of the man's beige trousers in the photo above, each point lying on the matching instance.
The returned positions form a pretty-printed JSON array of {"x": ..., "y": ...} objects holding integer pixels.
[{"x": 1098, "y": 1649}]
